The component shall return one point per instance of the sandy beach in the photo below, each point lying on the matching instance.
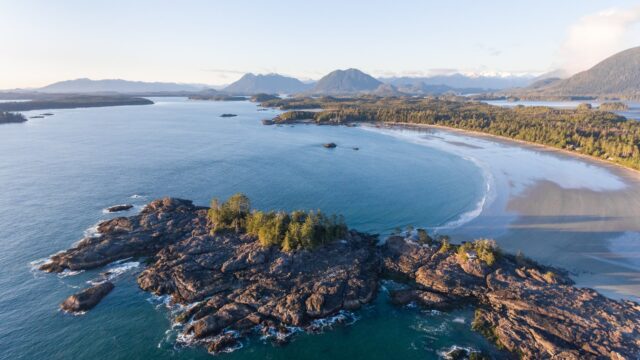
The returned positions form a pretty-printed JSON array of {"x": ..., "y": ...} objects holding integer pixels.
[{"x": 559, "y": 208}]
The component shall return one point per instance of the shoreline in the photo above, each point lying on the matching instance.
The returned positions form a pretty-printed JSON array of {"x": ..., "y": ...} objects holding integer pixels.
[
  {"x": 560, "y": 209},
  {"x": 537, "y": 146}
]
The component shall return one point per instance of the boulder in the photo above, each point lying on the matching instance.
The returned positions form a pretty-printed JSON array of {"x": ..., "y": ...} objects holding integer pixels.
[
  {"x": 117, "y": 208},
  {"x": 87, "y": 298}
]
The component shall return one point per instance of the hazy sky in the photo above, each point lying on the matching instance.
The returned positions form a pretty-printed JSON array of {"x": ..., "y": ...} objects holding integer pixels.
[{"x": 214, "y": 42}]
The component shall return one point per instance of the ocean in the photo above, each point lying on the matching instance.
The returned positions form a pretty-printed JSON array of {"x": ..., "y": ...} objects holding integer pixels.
[{"x": 59, "y": 173}]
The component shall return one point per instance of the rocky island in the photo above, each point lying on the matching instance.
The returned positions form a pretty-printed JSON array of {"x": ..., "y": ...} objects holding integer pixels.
[
  {"x": 73, "y": 102},
  {"x": 237, "y": 271},
  {"x": 118, "y": 208},
  {"x": 9, "y": 118}
]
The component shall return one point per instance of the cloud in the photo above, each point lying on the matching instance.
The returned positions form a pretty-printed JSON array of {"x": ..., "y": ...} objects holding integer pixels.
[{"x": 597, "y": 36}]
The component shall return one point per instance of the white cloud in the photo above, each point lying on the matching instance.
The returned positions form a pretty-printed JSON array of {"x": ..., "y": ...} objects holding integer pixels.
[{"x": 597, "y": 36}]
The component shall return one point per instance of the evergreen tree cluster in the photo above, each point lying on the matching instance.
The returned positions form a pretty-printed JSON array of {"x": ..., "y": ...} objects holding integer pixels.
[
  {"x": 593, "y": 132},
  {"x": 288, "y": 231}
]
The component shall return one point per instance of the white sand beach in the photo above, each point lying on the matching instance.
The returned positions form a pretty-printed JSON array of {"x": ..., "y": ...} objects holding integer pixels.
[{"x": 569, "y": 211}]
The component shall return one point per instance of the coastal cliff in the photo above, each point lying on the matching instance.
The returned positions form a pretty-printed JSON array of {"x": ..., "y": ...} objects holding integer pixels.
[{"x": 230, "y": 285}]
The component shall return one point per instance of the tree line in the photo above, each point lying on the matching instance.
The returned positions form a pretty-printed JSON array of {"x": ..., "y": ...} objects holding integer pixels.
[
  {"x": 287, "y": 231},
  {"x": 8, "y": 117},
  {"x": 593, "y": 132}
]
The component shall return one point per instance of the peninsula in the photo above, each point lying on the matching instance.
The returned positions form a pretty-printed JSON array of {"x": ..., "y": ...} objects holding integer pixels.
[
  {"x": 593, "y": 132},
  {"x": 72, "y": 102},
  {"x": 239, "y": 271}
]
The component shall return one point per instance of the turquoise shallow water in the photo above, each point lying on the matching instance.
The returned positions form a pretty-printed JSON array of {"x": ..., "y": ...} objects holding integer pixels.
[{"x": 58, "y": 173}]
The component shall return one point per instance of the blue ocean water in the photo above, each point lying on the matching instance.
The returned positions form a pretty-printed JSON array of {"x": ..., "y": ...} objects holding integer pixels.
[{"x": 57, "y": 174}]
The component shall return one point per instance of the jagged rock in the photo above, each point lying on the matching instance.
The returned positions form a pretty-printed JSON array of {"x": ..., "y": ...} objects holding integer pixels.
[
  {"x": 233, "y": 285},
  {"x": 117, "y": 208},
  {"x": 87, "y": 298},
  {"x": 222, "y": 343},
  {"x": 162, "y": 222}
]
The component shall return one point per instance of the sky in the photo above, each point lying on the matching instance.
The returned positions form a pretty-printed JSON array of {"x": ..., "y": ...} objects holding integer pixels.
[{"x": 215, "y": 42}]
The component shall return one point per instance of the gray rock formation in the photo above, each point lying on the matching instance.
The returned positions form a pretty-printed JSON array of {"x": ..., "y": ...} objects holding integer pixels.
[{"x": 234, "y": 285}]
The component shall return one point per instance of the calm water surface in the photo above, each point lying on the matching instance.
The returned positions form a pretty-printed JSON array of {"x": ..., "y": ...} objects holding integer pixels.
[
  {"x": 632, "y": 113},
  {"x": 58, "y": 174}
]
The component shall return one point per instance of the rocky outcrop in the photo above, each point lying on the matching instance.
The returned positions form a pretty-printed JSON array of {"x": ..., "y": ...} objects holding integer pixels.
[
  {"x": 118, "y": 208},
  {"x": 160, "y": 223},
  {"x": 526, "y": 308},
  {"x": 231, "y": 285},
  {"x": 86, "y": 299},
  {"x": 241, "y": 285}
]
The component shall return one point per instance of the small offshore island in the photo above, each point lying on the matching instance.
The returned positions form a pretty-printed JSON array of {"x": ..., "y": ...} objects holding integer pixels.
[
  {"x": 237, "y": 272},
  {"x": 72, "y": 102},
  {"x": 11, "y": 118},
  {"x": 598, "y": 133}
]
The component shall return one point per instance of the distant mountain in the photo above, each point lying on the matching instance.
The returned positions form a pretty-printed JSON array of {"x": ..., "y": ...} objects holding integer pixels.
[
  {"x": 348, "y": 81},
  {"x": 458, "y": 82},
  {"x": 387, "y": 90},
  {"x": 116, "y": 86},
  {"x": 616, "y": 76},
  {"x": 269, "y": 84},
  {"x": 543, "y": 83},
  {"x": 554, "y": 74}
]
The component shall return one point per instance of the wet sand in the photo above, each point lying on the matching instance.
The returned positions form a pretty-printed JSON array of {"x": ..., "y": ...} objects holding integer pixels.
[{"x": 564, "y": 210}]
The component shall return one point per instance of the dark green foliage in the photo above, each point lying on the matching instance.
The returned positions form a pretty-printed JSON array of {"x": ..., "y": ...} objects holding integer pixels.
[
  {"x": 445, "y": 246},
  {"x": 294, "y": 116},
  {"x": 217, "y": 97},
  {"x": 584, "y": 107},
  {"x": 230, "y": 215},
  {"x": 7, "y": 117},
  {"x": 72, "y": 102},
  {"x": 288, "y": 231},
  {"x": 264, "y": 97},
  {"x": 613, "y": 106},
  {"x": 486, "y": 250},
  {"x": 423, "y": 237},
  {"x": 600, "y": 134},
  {"x": 297, "y": 230}
]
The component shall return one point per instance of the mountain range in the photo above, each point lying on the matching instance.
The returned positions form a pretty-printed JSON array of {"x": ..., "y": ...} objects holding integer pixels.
[
  {"x": 457, "y": 81},
  {"x": 346, "y": 82},
  {"x": 117, "y": 86},
  {"x": 270, "y": 84},
  {"x": 617, "y": 76}
]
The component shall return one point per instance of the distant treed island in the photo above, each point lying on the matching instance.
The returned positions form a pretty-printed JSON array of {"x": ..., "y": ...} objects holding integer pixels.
[
  {"x": 73, "y": 101},
  {"x": 593, "y": 132},
  {"x": 7, "y": 118}
]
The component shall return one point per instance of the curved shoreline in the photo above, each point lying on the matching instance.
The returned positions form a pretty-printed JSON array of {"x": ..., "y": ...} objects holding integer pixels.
[
  {"x": 230, "y": 284},
  {"x": 529, "y": 144},
  {"x": 488, "y": 196},
  {"x": 566, "y": 211}
]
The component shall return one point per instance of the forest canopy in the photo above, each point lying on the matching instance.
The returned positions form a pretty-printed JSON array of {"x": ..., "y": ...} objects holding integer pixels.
[
  {"x": 288, "y": 231},
  {"x": 593, "y": 132}
]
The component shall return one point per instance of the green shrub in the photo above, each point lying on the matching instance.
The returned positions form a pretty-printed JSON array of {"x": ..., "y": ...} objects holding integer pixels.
[
  {"x": 486, "y": 250},
  {"x": 424, "y": 238},
  {"x": 230, "y": 215},
  {"x": 445, "y": 246},
  {"x": 289, "y": 231}
]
